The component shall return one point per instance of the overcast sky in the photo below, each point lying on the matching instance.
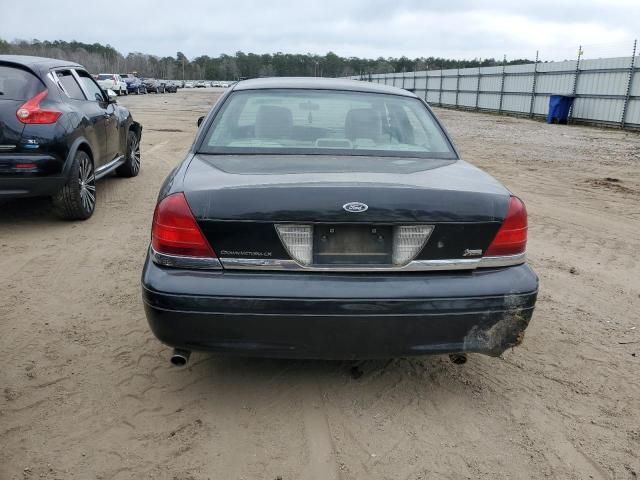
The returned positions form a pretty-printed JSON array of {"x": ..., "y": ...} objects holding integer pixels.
[{"x": 367, "y": 28}]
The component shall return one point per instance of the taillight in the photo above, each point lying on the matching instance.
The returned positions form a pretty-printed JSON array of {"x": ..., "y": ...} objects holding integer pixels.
[
  {"x": 31, "y": 113},
  {"x": 175, "y": 231},
  {"x": 511, "y": 239}
]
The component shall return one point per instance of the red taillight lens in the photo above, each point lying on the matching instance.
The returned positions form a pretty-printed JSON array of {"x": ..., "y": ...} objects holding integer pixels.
[
  {"x": 175, "y": 231},
  {"x": 511, "y": 239},
  {"x": 30, "y": 111}
]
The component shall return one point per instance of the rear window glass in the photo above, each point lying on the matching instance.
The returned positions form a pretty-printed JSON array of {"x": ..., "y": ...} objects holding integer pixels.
[
  {"x": 18, "y": 84},
  {"x": 282, "y": 121},
  {"x": 106, "y": 77}
]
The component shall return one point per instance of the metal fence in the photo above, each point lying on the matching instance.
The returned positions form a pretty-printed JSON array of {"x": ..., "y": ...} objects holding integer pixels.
[{"x": 607, "y": 90}]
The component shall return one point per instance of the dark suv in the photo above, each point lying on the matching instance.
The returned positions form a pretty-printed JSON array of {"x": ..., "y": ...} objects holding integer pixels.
[{"x": 59, "y": 133}]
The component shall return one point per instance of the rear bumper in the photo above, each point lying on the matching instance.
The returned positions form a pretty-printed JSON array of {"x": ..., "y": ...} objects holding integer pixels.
[
  {"x": 339, "y": 316},
  {"x": 30, "y": 186},
  {"x": 45, "y": 177}
]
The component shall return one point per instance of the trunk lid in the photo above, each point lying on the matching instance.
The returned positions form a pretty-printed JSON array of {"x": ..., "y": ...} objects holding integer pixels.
[{"x": 238, "y": 200}]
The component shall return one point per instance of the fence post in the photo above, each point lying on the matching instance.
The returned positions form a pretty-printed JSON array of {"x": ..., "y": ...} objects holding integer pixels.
[
  {"x": 414, "y": 79},
  {"x": 575, "y": 84},
  {"x": 504, "y": 62},
  {"x": 426, "y": 84},
  {"x": 632, "y": 70},
  {"x": 457, "y": 85},
  {"x": 533, "y": 86},
  {"x": 478, "y": 87},
  {"x": 440, "y": 88}
]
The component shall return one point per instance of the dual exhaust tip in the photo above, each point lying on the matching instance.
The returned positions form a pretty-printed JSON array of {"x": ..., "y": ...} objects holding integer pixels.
[{"x": 180, "y": 357}]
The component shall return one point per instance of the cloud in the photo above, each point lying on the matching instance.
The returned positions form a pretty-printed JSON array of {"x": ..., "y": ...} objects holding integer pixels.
[{"x": 369, "y": 28}]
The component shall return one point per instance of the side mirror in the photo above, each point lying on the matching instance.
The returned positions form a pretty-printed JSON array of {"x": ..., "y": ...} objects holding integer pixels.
[
  {"x": 111, "y": 95},
  {"x": 200, "y": 120}
]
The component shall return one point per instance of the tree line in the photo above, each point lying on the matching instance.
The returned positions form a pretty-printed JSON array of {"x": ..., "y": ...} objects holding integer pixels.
[{"x": 98, "y": 58}]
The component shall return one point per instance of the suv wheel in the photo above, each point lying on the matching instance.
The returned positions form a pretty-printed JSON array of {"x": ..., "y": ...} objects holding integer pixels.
[
  {"x": 131, "y": 166},
  {"x": 76, "y": 200}
]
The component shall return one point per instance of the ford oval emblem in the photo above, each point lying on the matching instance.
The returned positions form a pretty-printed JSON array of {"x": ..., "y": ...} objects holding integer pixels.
[{"x": 355, "y": 207}]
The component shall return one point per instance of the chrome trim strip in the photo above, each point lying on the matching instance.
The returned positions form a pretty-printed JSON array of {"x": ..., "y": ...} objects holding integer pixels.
[
  {"x": 506, "y": 261},
  {"x": 113, "y": 164},
  {"x": 414, "y": 266},
  {"x": 7, "y": 147},
  {"x": 176, "y": 261}
]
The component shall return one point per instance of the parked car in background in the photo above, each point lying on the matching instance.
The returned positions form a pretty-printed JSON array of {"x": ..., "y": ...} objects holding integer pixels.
[
  {"x": 112, "y": 81},
  {"x": 402, "y": 247},
  {"x": 215, "y": 84},
  {"x": 153, "y": 85},
  {"x": 134, "y": 84},
  {"x": 59, "y": 133},
  {"x": 201, "y": 84},
  {"x": 224, "y": 85},
  {"x": 168, "y": 86},
  {"x": 188, "y": 85}
]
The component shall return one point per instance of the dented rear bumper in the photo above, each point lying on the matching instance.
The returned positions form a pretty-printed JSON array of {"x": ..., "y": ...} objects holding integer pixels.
[{"x": 340, "y": 316}]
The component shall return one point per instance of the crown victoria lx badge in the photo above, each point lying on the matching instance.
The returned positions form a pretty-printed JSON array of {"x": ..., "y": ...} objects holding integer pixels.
[{"x": 355, "y": 207}]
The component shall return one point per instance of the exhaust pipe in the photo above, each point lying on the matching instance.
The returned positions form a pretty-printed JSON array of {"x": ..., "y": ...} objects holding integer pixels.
[
  {"x": 458, "y": 358},
  {"x": 179, "y": 357}
]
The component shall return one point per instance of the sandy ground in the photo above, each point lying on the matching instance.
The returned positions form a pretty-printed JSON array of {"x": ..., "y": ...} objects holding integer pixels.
[{"x": 87, "y": 391}]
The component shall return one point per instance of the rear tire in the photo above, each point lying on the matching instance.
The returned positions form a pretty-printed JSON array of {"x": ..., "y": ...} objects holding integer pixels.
[
  {"x": 76, "y": 200},
  {"x": 131, "y": 166}
]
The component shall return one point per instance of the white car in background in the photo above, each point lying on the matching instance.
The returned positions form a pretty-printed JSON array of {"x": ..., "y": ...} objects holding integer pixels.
[
  {"x": 112, "y": 81},
  {"x": 224, "y": 85},
  {"x": 188, "y": 85}
]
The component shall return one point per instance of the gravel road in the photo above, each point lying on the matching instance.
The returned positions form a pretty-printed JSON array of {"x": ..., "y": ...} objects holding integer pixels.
[{"x": 88, "y": 392}]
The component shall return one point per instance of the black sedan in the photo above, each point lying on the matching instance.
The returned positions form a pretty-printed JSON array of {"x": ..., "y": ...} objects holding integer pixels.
[
  {"x": 59, "y": 133},
  {"x": 169, "y": 87},
  {"x": 153, "y": 85},
  {"x": 334, "y": 219}
]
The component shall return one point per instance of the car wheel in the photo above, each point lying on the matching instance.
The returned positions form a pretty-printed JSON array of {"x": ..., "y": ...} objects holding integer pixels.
[
  {"x": 76, "y": 200},
  {"x": 131, "y": 166}
]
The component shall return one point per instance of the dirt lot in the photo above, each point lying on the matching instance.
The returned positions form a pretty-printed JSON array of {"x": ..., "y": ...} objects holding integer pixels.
[{"x": 87, "y": 391}]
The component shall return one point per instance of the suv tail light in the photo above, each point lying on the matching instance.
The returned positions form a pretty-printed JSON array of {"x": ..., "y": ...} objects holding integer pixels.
[
  {"x": 176, "y": 238},
  {"x": 511, "y": 239},
  {"x": 31, "y": 113}
]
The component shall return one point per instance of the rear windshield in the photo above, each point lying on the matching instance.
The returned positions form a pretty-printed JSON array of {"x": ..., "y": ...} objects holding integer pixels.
[
  {"x": 105, "y": 77},
  {"x": 18, "y": 84},
  {"x": 290, "y": 121}
]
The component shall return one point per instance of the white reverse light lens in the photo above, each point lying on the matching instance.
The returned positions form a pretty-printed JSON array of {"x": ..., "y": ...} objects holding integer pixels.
[
  {"x": 408, "y": 240},
  {"x": 298, "y": 241}
]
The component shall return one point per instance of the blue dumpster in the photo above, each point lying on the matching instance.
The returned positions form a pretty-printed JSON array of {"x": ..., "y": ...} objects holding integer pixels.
[{"x": 559, "y": 106}]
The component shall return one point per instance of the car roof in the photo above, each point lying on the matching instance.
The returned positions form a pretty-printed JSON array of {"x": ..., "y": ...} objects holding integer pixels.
[
  {"x": 316, "y": 83},
  {"x": 38, "y": 63}
]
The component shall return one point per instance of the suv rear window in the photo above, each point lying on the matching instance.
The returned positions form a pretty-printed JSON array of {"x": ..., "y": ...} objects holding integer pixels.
[
  {"x": 18, "y": 84},
  {"x": 106, "y": 77}
]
